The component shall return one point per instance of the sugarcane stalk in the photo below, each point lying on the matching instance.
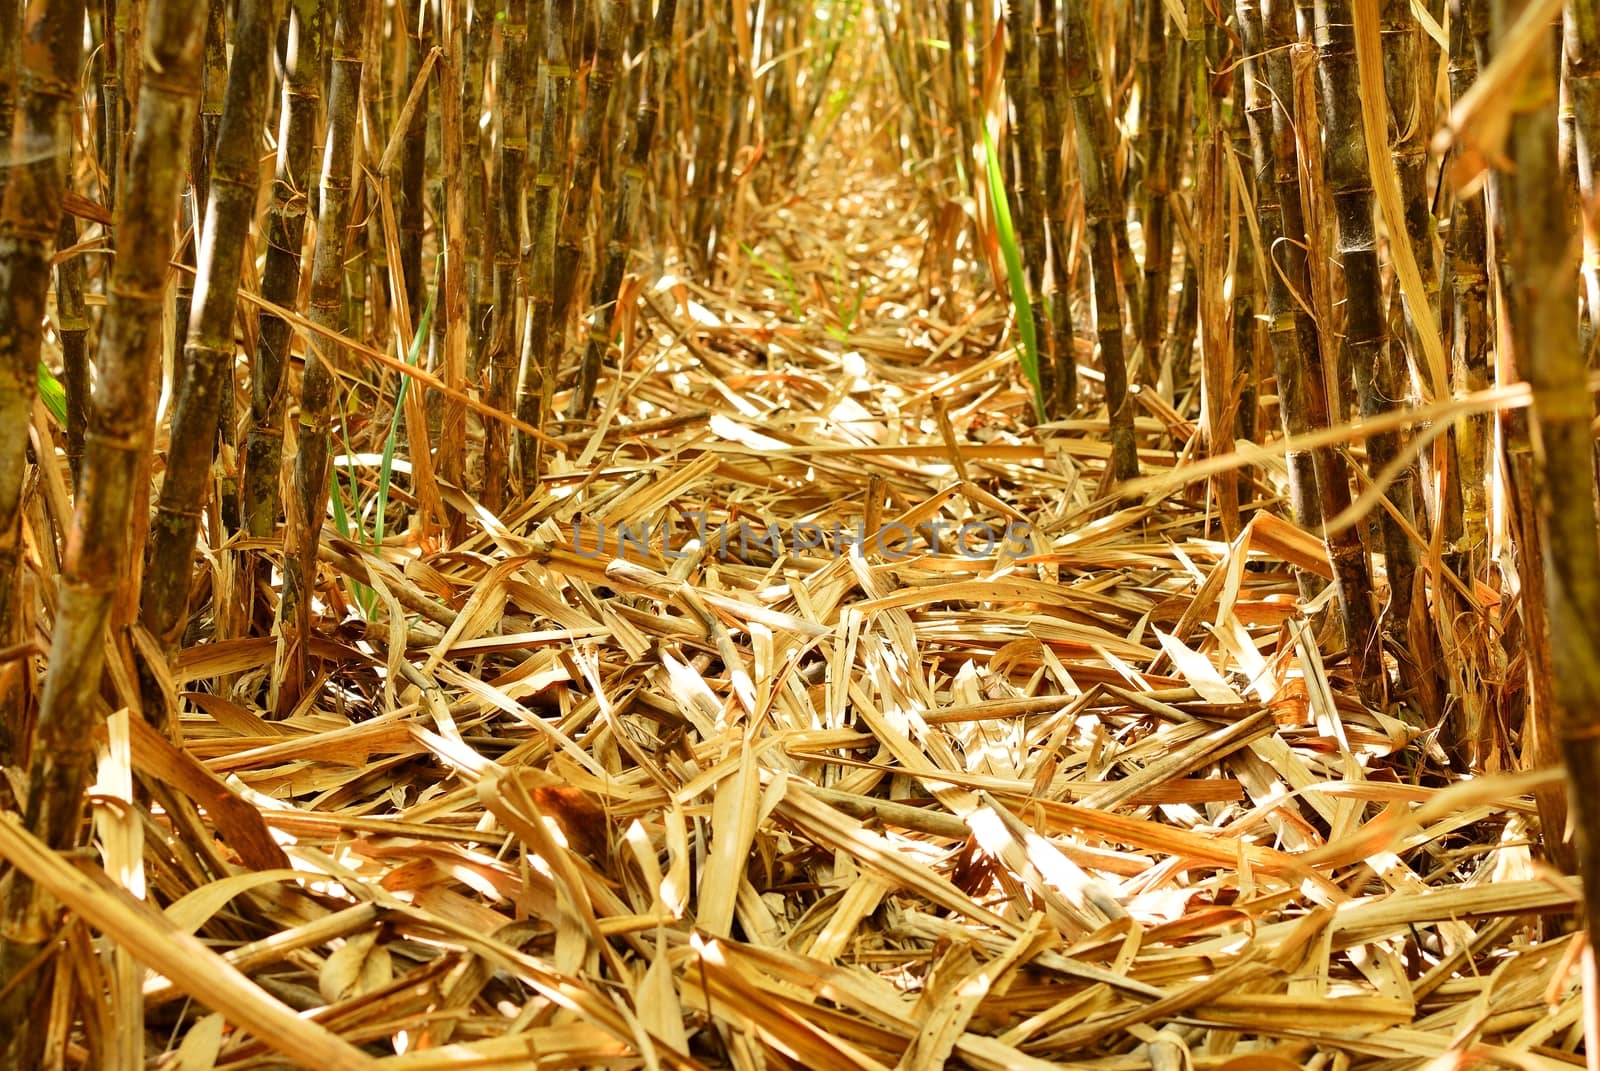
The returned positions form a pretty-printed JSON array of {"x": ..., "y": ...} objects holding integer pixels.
[
  {"x": 742, "y": 112},
  {"x": 204, "y": 376},
  {"x": 213, "y": 89},
  {"x": 1061, "y": 393},
  {"x": 1026, "y": 197},
  {"x": 309, "y": 500},
  {"x": 72, "y": 318},
  {"x": 1163, "y": 100},
  {"x": 1371, "y": 357},
  {"x": 451, "y": 460},
  {"x": 479, "y": 294},
  {"x": 710, "y": 121},
  {"x": 541, "y": 344},
  {"x": 368, "y": 281},
  {"x": 589, "y": 139},
  {"x": 625, "y": 211},
  {"x": 1245, "y": 276},
  {"x": 121, "y": 419},
  {"x": 114, "y": 102},
  {"x": 1410, "y": 74},
  {"x": 1352, "y": 581},
  {"x": 1581, "y": 46},
  {"x": 50, "y": 39},
  {"x": 1175, "y": 379},
  {"x": 1542, "y": 274},
  {"x": 1105, "y": 134},
  {"x": 905, "y": 75},
  {"x": 955, "y": 29},
  {"x": 510, "y": 167},
  {"x": 10, "y": 69},
  {"x": 1094, "y": 155},
  {"x": 280, "y": 279},
  {"x": 1218, "y": 359},
  {"x": 413, "y": 165},
  {"x": 1470, "y": 334},
  {"x": 1539, "y": 745},
  {"x": 1409, "y": 79},
  {"x": 1408, "y": 82}
]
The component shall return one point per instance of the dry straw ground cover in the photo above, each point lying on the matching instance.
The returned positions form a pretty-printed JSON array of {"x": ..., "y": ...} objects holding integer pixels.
[{"x": 1098, "y": 797}]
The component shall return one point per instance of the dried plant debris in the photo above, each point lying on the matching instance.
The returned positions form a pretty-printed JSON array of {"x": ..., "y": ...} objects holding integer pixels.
[{"x": 740, "y": 744}]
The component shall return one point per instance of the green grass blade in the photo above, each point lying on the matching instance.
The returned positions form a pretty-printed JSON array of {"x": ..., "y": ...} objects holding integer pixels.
[
  {"x": 365, "y": 598},
  {"x": 387, "y": 467},
  {"x": 341, "y": 518},
  {"x": 782, "y": 277},
  {"x": 53, "y": 394},
  {"x": 1028, "y": 349}
]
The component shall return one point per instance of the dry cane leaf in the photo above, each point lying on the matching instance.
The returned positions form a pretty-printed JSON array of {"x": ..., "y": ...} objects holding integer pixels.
[{"x": 358, "y": 966}]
